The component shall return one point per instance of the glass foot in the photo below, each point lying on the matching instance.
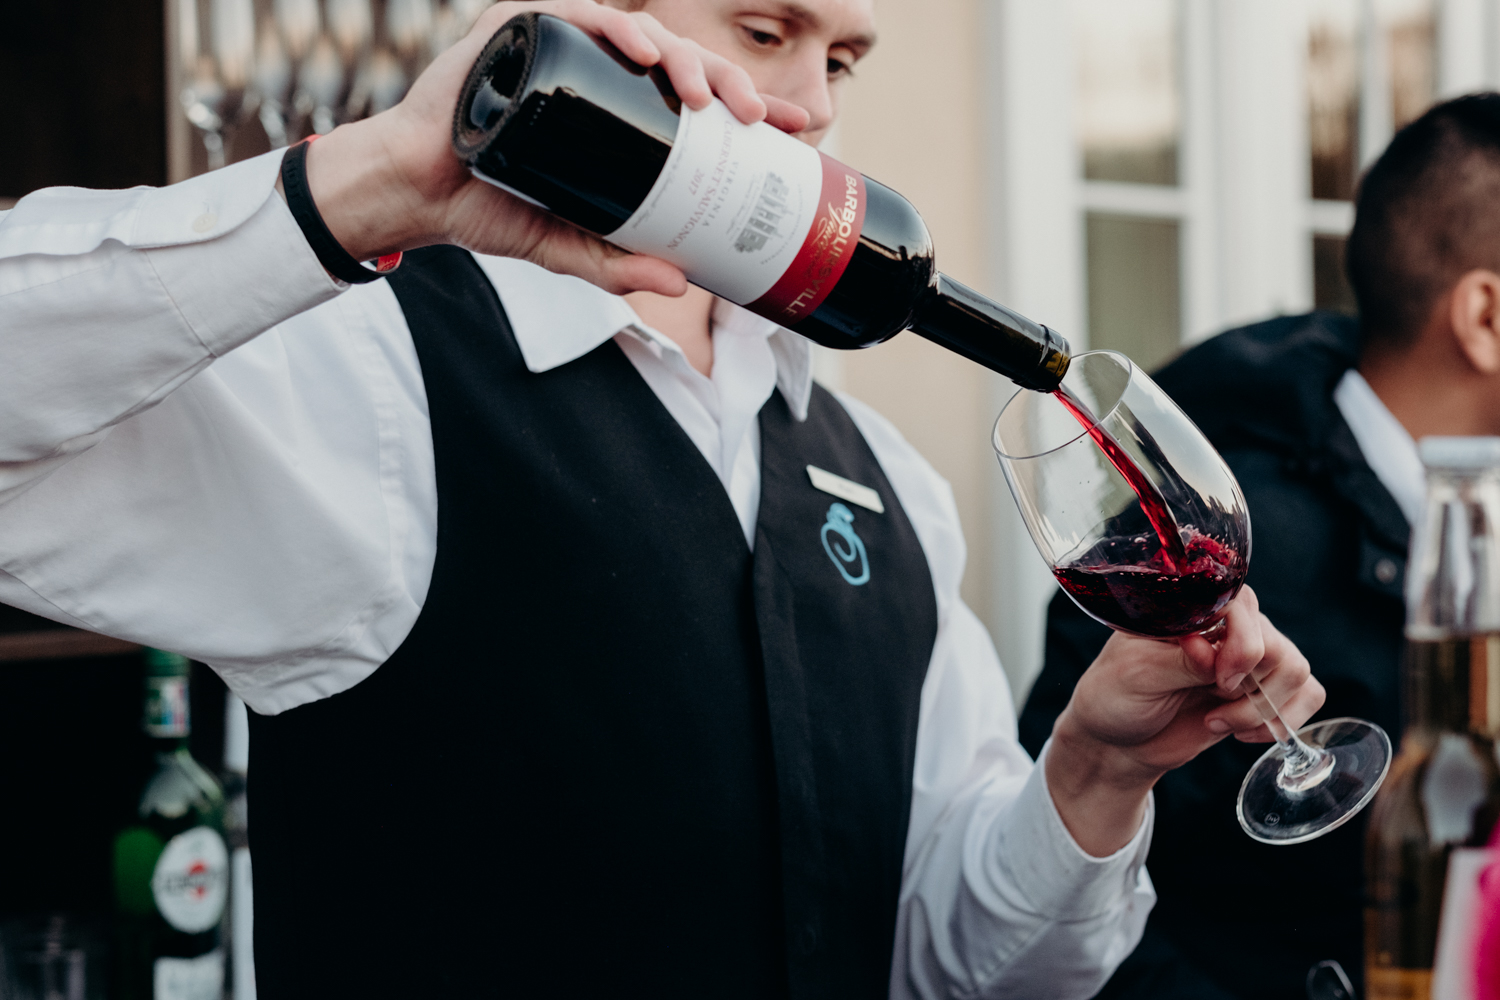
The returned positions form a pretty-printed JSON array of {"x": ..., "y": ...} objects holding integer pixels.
[{"x": 1280, "y": 808}]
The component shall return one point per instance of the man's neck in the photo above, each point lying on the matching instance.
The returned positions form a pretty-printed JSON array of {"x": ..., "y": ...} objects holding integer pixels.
[
  {"x": 1430, "y": 391},
  {"x": 687, "y": 320}
]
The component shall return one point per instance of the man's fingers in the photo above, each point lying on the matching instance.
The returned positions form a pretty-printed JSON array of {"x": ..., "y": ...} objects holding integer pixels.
[
  {"x": 1284, "y": 670},
  {"x": 1242, "y": 719},
  {"x": 565, "y": 249},
  {"x": 624, "y": 32},
  {"x": 686, "y": 71},
  {"x": 734, "y": 87},
  {"x": 613, "y": 269},
  {"x": 699, "y": 75},
  {"x": 695, "y": 73},
  {"x": 638, "y": 273},
  {"x": 1199, "y": 656},
  {"x": 785, "y": 115},
  {"x": 1286, "y": 680},
  {"x": 1243, "y": 646}
]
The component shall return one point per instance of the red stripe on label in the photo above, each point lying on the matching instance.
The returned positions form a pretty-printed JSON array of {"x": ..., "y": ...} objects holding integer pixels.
[{"x": 826, "y": 251}]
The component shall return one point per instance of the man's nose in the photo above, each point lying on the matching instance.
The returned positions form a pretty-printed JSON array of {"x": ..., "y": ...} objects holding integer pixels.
[{"x": 806, "y": 85}]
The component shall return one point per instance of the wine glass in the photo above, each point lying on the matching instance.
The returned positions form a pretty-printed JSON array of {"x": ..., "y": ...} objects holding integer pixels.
[
  {"x": 217, "y": 64},
  {"x": 409, "y": 27},
  {"x": 298, "y": 24},
  {"x": 320, "y": 79},
  {"x": 1163, "y": 557},
  {"x": 272, "y": 80}
]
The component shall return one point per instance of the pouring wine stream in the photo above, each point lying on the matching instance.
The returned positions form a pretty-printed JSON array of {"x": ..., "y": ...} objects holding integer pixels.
[{"x": 1303, "y": 767}]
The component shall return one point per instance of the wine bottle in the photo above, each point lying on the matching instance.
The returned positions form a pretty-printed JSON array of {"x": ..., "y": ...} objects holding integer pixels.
[
  {"x": 1442, "y": 797},
  {"x": 752, "y": 214},
  {"x": 171, "y": 866}
]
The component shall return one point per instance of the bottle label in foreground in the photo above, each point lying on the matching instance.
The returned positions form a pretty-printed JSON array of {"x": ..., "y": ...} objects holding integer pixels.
[
  {"x": 751, "y": 214},
  {"x": 166, "y": 707},
  {"x": 191, "y": 880},
  {"x": 200, "y": 978}
]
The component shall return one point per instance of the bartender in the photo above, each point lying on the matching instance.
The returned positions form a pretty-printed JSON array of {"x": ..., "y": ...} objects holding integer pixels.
[{"x": 568, "y": 677}]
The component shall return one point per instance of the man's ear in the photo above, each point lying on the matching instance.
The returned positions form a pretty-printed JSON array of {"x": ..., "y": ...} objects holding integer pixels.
[{"x": 1474, "y": 314}]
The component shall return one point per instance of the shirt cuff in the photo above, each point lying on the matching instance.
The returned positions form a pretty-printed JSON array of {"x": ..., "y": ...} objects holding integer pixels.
[
  {"x": 245, "y": 279},
  {"x": 1061, "y": 880}
]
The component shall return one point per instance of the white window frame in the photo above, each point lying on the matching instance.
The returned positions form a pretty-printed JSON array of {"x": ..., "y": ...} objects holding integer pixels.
[{"x": 1243, "y": 200}]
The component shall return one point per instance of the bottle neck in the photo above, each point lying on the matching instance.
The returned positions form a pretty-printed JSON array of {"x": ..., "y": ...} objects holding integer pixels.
[{"x": 984, "y": 331}]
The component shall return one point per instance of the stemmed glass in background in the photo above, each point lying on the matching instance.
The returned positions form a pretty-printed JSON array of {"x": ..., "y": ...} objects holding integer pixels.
[
  {"x": 310, "y": 65},
  {"x": 286, "y": 35},
  {"x": 272, "y": 81},
  {"x": 1171, "y": 576},
  {"x": 217, "y": 52}
]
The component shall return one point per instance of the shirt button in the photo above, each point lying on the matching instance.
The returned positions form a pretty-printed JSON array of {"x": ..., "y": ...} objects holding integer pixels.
[
  {"x": 1385, "y": 571},
  {"x": 205, "y": 222}
]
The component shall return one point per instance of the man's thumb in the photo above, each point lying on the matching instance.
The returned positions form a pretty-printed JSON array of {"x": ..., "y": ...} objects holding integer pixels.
[{"x": 1198, "y": 656}]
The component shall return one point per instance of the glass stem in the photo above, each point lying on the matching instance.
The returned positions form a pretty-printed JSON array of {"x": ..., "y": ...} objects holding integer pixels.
[
  {"x": 1299, "y": 755},
  {"x": 213, "y": 144},
  {"x": 274, "y": 122},
  {"x": 1302, "y": 766}
]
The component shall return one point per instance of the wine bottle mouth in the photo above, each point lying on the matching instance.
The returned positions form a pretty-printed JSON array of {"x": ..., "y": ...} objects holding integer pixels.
[
  {"x": 1099, "y": 380},
  {"x": 488, "y": 99}
]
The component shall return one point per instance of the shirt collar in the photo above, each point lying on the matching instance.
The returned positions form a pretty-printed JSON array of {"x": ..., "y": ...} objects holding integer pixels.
[
  {"x": 558, "y": 318},
  {"x": 1387, "y": 445}
]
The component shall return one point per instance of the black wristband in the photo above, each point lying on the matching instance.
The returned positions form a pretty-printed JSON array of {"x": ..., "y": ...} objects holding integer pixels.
[{"x": 334, "y": 258}]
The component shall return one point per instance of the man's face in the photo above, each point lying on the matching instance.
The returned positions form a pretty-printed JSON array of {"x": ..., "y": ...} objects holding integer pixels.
[{"x": 798, "y": 50}]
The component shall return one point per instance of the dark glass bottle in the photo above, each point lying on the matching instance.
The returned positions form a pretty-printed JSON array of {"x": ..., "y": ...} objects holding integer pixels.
[
  {"x": 171, "y": 865},
  {"x": 1430, "y": 821},
  {"x": 566, "y": 122}
]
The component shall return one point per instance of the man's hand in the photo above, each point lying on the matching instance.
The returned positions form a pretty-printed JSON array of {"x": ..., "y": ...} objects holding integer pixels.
[
  {"x": 392, "y": 182},
  {"x": 1145, "y": 707}
]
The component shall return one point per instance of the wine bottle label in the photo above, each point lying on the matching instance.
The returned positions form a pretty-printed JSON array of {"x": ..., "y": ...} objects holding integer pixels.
[
  {"x": 191, "y": 880},
  {"x": 200, "y": 978},
  {"x": 751, "y": 214},
  {"x": 166, "y": 707}
]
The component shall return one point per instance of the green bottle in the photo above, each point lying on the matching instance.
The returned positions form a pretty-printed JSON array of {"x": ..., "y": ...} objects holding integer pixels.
[{"x": 171, "y": 866}]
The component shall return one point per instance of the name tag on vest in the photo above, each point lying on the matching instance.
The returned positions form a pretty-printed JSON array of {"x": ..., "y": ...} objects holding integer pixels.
[{"x": 845, "y": 489}]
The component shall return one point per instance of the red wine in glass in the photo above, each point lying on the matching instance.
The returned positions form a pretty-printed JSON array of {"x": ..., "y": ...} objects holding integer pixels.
[
  {"x": 1174, "y": 584},
  {"x": 1126, "y": 581},
  {"x": 1158, "y": 548}
]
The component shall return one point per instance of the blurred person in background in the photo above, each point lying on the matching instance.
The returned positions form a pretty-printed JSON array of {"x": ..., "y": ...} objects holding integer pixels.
[
  {"x": 1318, "y": 417},
  {"x": 556, "y": 690}
]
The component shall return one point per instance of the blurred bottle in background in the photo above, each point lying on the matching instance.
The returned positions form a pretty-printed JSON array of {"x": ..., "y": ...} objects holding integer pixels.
[
  {"x": 171, "y": 863},
  {"x": 1432, "y": 820}
]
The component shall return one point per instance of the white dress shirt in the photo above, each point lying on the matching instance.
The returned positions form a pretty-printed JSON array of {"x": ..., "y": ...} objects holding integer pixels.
[
  {"x": 208, "y": 445},
  {"x": 1386, "y": 444}
]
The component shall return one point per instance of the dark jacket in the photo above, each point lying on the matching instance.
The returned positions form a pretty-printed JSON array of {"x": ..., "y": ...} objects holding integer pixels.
[{"x": 1236, "y": 918}]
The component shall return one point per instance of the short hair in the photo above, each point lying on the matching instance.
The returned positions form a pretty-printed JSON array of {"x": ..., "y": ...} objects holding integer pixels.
[{"x": 1428, "y": 212}]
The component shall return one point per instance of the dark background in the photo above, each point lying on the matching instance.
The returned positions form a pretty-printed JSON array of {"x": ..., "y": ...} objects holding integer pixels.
[
  {"x": 83, "y": 84},
  {"x": 84, "y": 103}
]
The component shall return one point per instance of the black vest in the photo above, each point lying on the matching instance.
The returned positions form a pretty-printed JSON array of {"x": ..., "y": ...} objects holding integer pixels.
[{"x": 617, "y": 755}]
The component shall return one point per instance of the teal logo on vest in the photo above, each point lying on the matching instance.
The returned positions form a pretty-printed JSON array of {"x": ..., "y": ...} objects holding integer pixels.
[{"x": 846, "y": 551}]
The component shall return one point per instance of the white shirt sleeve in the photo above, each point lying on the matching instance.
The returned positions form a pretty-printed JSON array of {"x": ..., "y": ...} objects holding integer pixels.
[
  {"x": 997, "y": 899},
  {"x": 204, "y": 447},
  {"x": 110, "y": 300}
]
